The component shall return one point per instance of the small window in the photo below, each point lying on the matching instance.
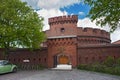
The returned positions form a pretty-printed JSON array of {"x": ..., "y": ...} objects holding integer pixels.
[
  {"x": 62, "y": 29},
  {"x": 45, "y": 59},
  {"x": 85, "y": 30},
  {"x": 39, "y": 59}
]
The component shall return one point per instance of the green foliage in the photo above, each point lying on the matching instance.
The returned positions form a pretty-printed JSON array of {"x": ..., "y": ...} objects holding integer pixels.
[
  {"x": 107, "y": 67},
  {"x": 109, "y": 61},
  {"x": 105, "y": 12},
  {"x": 20, "y": 26},
  {"x": 118, "y": 62},
  {"x": 82, "y": 66}
]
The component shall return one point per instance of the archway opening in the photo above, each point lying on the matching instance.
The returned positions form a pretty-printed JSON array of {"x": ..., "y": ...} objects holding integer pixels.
[
  {"x": 63, "y": 59},
  {"x": 62, "y": 62}
]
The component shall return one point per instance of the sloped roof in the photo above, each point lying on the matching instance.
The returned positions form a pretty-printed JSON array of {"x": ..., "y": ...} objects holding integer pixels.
[{"x": 116, "y": 42}]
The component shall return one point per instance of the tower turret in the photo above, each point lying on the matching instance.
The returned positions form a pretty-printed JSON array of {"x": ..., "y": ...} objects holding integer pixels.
[
  {"x": 62, "y": 26},
  {"x": 63, "y": 20}
]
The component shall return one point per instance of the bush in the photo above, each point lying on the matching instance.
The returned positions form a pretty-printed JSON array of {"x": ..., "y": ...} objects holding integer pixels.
[
  {"x": 82, "y": 66},
  {"x": 117, "y": 70},
  {"x": 100, "y": 68},
  {"x": 118, "y": 61},
  {"x": 110, "y": 62},
  {"x": 108, "y": 70},
  {"x": 109, "y": 66}
]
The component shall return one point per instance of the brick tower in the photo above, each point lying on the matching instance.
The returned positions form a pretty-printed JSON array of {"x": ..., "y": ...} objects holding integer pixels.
[{"x": 62, "y": 40}]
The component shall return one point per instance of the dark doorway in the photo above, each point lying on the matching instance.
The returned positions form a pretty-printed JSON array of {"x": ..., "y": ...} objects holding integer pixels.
[{"x": 55, "y": 61}]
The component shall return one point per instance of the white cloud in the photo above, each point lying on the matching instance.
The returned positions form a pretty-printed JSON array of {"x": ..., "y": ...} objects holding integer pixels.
[
  {"x": 50, "y": 8},
  {"x": 32, "y": 3},
  {"x": 86, "y": 22},
  {"x": 56, "y": 4},
  {"x": 50, "y": 4},
  {"x": 115, "y": 35},
  {"x": 81, "y": 13},
  {"x": 49, "y": 13}
]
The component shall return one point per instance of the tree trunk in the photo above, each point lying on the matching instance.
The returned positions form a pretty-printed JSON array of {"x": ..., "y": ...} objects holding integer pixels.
[{"x": 6, "y": 50}]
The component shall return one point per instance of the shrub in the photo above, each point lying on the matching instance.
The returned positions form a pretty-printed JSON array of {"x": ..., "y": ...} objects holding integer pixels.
[
  {"x": 109, "y": 66},
  {"x": 109, "y": 61},
  {"x": 98, "y": 67},
  {"x": 82, "y": 66},
  {"x": 117, "y": 70},
  {"x": 118, "y": 61}
]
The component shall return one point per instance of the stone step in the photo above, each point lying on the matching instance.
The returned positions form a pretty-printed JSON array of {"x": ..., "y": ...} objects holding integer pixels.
[{"x": 63, "y": 67}]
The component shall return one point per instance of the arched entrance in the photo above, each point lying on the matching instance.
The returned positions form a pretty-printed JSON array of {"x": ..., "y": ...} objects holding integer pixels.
[
  {"x": 62, "y": 62},
  {"x": 63, "y": 59}
]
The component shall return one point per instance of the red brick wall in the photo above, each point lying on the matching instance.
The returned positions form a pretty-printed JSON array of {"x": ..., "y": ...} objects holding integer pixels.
[
  {"x": 69, "y": 46},
  {"x": 84, "y": 35},
  {"x": 69, "y": 23},
  {"x": 93, "y": 32},
  {"x": 82, "y": 45},
  {"x": 81, "y": 55},
  {"x": 37, "y": 57},
  {"x": 93, "y": 54}
]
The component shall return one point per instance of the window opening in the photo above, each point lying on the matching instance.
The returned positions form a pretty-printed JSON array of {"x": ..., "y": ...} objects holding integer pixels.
[{"x": 62, "y": 29}]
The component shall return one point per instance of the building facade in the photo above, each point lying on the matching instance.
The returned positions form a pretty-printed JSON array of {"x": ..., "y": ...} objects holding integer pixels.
[{"x": 68, "y": 44}]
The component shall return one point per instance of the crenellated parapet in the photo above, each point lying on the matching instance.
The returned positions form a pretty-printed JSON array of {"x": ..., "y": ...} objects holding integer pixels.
[
  {"x": 92, "y": 36},
  {"x": 93, "y": 32},
  {"x": 63, "y": 19}
]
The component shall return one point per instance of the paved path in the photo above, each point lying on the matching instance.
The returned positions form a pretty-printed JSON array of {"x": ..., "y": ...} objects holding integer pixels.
[{"x": 58, "y": 75}]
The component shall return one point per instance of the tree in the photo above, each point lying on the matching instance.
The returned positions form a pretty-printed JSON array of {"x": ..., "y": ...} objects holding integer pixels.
[
  {"x": 105, "y": 12},
  {"x": 20, "y": 26}
]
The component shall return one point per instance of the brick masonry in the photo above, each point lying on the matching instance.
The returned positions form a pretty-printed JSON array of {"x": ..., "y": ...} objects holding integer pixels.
[{"x": 64, "y": 38}]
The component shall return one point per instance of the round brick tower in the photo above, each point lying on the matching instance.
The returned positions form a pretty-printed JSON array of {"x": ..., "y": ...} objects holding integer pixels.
[
  {"x": 92, "y": 36},
  {"x": 62, "y": 40},
  {"x": 62, "y": 26}
]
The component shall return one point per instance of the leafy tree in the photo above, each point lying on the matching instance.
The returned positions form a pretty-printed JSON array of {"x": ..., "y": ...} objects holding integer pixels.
[
  {"x": 20, "y": 26},
  {"x": 105, "y": 12}
]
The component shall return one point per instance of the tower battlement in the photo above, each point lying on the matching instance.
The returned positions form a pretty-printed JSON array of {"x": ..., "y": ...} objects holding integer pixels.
[
  {"x": 93, "y": 35},
  {"x": 93, "y": 32},
  {"x": 63, "y": 19}
]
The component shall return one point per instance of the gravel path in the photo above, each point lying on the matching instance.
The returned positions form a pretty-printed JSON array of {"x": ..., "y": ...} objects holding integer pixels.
[{"x": 58, "y": 75}]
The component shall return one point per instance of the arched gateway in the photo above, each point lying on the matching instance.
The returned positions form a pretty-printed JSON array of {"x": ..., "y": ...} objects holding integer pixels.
[{"x": 61, "y": 59}]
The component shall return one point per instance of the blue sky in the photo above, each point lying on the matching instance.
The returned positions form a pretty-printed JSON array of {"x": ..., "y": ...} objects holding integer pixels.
[
  {"x": 52, "y": 8},
  {"x": 79, "y": 9}
]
